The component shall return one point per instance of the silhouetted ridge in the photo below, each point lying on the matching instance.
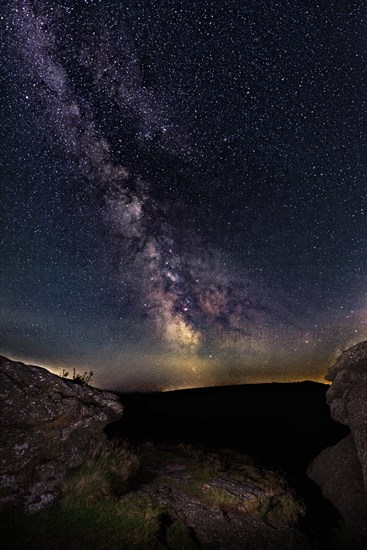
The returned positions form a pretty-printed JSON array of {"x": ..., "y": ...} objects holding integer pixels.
[{"x": 285, "y": 424}]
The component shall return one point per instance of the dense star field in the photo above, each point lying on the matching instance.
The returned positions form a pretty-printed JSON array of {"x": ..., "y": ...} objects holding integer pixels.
[{"x": 183, "y": 188}]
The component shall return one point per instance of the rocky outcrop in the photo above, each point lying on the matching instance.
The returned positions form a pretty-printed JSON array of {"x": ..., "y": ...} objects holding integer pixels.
[
  {"x": 347, "y": 397},
  {"x": 341, "y": 471},
  {"x": 219, "y": 509},
  {"x": 215, "y": 528},
  {"x": 48, "y": 426},
  {"x": 338, "y": 472}
]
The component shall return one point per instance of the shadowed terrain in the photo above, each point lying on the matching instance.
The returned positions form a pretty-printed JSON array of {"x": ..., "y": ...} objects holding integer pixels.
[
  {"x": 221, "y": 467},
  {"x": 285, "y": 425}
]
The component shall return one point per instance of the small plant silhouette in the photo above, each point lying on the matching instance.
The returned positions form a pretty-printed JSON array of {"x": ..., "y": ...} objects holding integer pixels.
[{"x": 78, "y": 378}]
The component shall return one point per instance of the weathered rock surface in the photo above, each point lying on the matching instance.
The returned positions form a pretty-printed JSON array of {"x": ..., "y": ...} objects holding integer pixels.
[
  {"x": 245, "y": 492},
  {"x": 341, "y": 471},
  {"x": 347, "y": 397},
  {"x": 221, "y": 530},
  {"x": 48, "y": 426},
  {"x": 222, "y": 520},
  {"x": 338, "y": 472}
]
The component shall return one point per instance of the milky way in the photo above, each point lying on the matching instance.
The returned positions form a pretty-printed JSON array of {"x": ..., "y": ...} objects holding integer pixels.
[{"x": 186, "y": 187}]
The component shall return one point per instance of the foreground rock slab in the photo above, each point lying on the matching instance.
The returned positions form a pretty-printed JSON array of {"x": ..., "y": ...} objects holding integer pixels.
[
  {"x": 48, "y": 426},
  {"x": 224, "y": 529},
  {"x": 216, "y": 507}
]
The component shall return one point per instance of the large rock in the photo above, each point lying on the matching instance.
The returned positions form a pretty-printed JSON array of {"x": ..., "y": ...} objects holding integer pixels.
[
  {"x": 48, "y": 426},
  {"x": 341, "y": 471},
  {"x": 347, "y": 397},
  {"x": 338, "y": 472}
]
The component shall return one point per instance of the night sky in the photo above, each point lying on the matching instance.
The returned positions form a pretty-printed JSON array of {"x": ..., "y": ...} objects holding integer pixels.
[{"x": 183, "y": 188}]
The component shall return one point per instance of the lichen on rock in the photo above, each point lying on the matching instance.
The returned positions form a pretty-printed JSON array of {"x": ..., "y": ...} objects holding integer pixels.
[{"x": 49, "y": 425}]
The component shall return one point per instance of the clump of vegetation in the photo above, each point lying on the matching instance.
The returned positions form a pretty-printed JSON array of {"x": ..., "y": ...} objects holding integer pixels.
[
  {"x": 178, "y": 536},
  {"x": 77, "y": 377},
  {"x": 107, "y": 473},
  {"x": 130, "y": 523},
  {"x": 280, "y": 507},
  {"x": 208, "y": 460},
  {"x": 222, "y": 499}
]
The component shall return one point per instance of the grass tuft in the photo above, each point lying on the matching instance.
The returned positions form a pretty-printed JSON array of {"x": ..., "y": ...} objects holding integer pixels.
[
  {"x": 179, "y": 537},
  {"x": 129, "y": 523},
  {"x": 278, "y": 508},
  {"x": 107, "y": 473},
  {"x": 222, "y": 499}
]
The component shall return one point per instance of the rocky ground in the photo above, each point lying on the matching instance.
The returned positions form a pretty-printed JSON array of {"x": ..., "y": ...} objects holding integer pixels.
[
  {"x": 224, "y": 499},
  {"x": 178, "y": 498},
  {"x": 63, "y": 484}
]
